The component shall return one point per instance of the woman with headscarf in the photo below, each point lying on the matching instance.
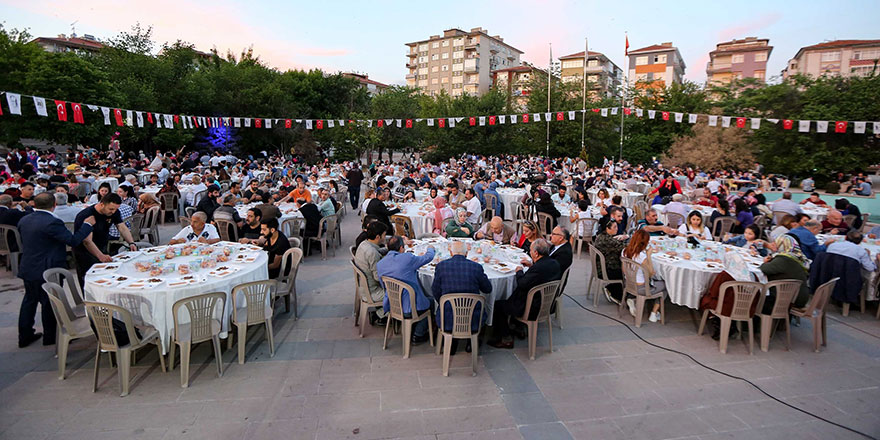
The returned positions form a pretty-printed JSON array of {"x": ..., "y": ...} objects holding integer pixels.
[
  {"x": 146, "y": 201},
  {"x": 441, "y": 212},
  {"x": 788, "y": 263},
  {"x": 460, "y": 227}
]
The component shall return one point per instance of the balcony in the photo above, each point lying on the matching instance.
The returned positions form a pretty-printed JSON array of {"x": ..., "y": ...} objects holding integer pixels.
[
  {"x": 411, "y": 76},
  {"x": 473, "y": 46},
  {"x": 718, "y": 67},
  {"x": 412, "y": 54},
  {"x": 411, "y": 65},
  {"x": 472, "y": 68}
]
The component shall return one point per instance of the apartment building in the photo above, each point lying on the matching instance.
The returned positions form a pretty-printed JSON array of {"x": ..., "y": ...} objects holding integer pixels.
[
  {"x": 604, "y": 78},
  {"x": 458, "y": 62},
  {"x": 738, "y": 59},
  {"x": 516, "y": 82},
  {"x": 373, "y": 87},
  {"x": 656, "y": 66},
  {"x": 836, "y": 58}
]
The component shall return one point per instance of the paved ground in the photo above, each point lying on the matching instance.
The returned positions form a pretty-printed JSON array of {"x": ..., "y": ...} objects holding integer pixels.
[{"x": 326, "y": 382}]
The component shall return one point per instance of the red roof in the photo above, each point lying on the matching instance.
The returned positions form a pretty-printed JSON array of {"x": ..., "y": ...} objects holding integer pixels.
[
  {"x": 840, "y": 43},
  {"x": 653, "y": 48},
  {"x": 71, "y": 42},
  {"x": 581, "y": 55}
]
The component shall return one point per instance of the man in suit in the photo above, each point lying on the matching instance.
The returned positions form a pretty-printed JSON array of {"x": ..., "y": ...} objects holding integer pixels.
[
  {"x": 9, "y": 215},
  {"x": 542, "y": 270},
  {"x": 377, "y": 209},
  {"x": 44, "y": 240},
  {"x": 561, "y": 247},
  {"x": 459, "y": 275}
]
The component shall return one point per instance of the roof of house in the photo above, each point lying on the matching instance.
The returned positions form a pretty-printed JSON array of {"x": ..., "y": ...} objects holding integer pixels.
[
  {"x": 581, "y": 55},
  {"x": 81, "y": 43},
  {"x": 461, "y": 33},
  {"x": 836, "y": 44},
  {"x": 652, "y": 48}
]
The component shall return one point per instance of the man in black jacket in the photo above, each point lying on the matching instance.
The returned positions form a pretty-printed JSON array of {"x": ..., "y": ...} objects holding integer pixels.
[
  {"x": 542, "y": 270},
  {"x": 560, "y": 247},
  {"x": 377, "y": 209},
  {"x": 209, "y": 203},
  {"x": 355, "y": 178}
]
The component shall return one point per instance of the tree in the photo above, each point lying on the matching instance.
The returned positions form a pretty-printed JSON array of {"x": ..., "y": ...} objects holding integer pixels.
[{"x": 712, "y": 148}]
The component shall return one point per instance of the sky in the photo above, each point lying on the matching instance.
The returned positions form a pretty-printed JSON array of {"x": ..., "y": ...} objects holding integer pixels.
[{"x": 370, "y": 37}]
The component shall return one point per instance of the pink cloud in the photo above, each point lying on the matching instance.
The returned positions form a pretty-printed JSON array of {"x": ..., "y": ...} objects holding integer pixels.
[
  {"x": 740, "y": 30},
  {"x": 215, "y": 24}
]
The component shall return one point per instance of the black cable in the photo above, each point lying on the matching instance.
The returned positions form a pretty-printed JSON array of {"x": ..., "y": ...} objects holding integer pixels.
[{"x": 719, "y": 371}]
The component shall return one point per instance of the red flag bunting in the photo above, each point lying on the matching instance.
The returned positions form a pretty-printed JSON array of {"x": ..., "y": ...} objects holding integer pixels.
[
  {"x": 741, "y": 122},
  {"x": 195, "y": 121},
  {"x": 441, "y": 122},
  {"x": 61, "y": 106},
  {"x": 409, "y": 123},
  {"x": 491, "y": 120},
  {"x": 525, "y": 118},
  {"x": 627, "y": 111},
  {"x": 117, "y": 114},
  {"x": 472, "y": 121},
  {"x": 77, "y": 113},
  {"x": 787, "y": 124},
  {"x": 595, "y": 110},
  {"x": 258, "y": 123},
  {"x": 320, "y": 124},
  {"x": 176, "y": 119},
  {"x": 209, "y": 122},
  {"x": 380, "y": 123},
  {"x": 840, "y": 127},
  {"x": 288, "y": 123},
  {"x": 558, "y": 116},
  {"x": 665, "y": 116},
  {"x": 149, "y": 117}
]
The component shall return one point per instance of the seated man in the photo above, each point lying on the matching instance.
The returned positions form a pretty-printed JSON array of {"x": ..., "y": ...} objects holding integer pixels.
[
  {"x": 806, "y": 238},
  {"x": 543, "y": 269},
  {"x": 366, "y": 258},
  {"x": 275, "y": 243},
  {"x": 814, "y": 199},
  {"x": 403, "y": 266},
  {"x": 850, "y": 248},
  {"x": 561, "y": 196},
  {"x": 834, "y": 224},
  {"x": 496, "y": 231},
  {"x": 653, "y": 226},
  {"x": 786, "y": 205},
  {"x": 325, "y": 205},
  {"x": 208, "y": 204},
  {"x": 863, "y": 188},
  {"x": 708, "y": 199},
  {"x": 560, "y": 247},
  {"x": 199, "y": 231},
  {"x": 249, "y": 232},
  {"x": 677, "y": 206},
  {"x": 459, "y": 275}
]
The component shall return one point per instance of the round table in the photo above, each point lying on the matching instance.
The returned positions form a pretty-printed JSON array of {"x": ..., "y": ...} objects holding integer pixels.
[
  {"x": 510, "y": 199},
  {"x": 120, "y": 283},
  {"x": 688, "y": 278},
  {"x": 815, "y": 212},
  {"x": 502, "y": 278},
  {"x": 112, "y": 181},
  {"x": 873, "y": 247},
  {"x": 421, "y": 215}
]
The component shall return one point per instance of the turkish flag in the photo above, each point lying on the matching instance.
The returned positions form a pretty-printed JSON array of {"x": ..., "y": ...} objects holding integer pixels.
[
  {"x": 491, "y": 120},
  {"x": 840, "y": 127},
  {"x": 787, "y": 124},
  {"x": 665, "y": 116},
  {"x": 61, "y": 106},
  {"x": 195, "y": 121},
  {"x": 409, "y": 123},
  {"x": 320, "y": 124},
  {"x": 525, "y": 118},
  {"x": 258, "y": 123},
  {"x": 288, "y": 123},
  {"x": 595, "y": 110},
  {"x": 472, "y": 121},
  {"x": 117, "y": 114},
  {"x": 558, "y": 116},
  {"x": 381, "y": 123},
  {"x": 150, "y": 117},
  {"x": 209, "y": 122},
  {"x": 741, "y": 122},
  {"x": 176, "y": 119},
  {"x": 77, "y": 113},
  {"x": 627, "y": 111},
  {"x": 441, "y": 122}
]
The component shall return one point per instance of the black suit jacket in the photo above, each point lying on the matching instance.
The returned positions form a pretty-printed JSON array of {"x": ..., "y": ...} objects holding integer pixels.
[
  {"x": 378, "y": 209},
  {"x": 563, "y": 256},
  {"x": 313, "y": 219},
  {"x": 11, "y": 216},
  {"x": 543, "y": 271},
  {"x": 45, "y": 240}
]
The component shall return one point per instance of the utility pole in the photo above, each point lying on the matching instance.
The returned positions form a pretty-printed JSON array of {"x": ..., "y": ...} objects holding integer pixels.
[
  {"x": 549, "y": 78},
  {"x": 584, "y": 109}
]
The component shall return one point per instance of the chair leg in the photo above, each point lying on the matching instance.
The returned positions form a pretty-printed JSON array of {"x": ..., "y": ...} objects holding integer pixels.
[
  {"x": 216, "y": 342},
  {"x": 357, "y": 310},
  {"x": 406, "y": 331},
  {"x": 295, "y": 302},
  {"x": 663, "y": 309},
  {"x": 725, "y": 333},
  {"x": 447, "y": 347},
  {"x": 63, "y": 343},
  {"x": 640, "y": 309},
  {"x": 846, "y": 309},
  {"x": 766, "y": 325},
  {"x": 431, "y": 329},
  {"x": 787, "y": 333},
  {"x": 185, "y": 350},
  {"x": 590, "y": 289},
  {"x": 824, "y": 330},
  {"x": 123, "y": 359},
  {"x": 702, "y": 321},
  {"x": 549, "y": 332},
  {"x": 751, "y": 326},
  {"x": 387, "y": 329},
  {"x": 361, "y": 320},
  {"x": 817, "y": 333},
  {"x": 533, "y": 338},
  {"x": 97, "y": 368},
  {"x": 159, "y": 352},
  {"x": 559, "y": 311},
  {"x": 242, "y": 339},
  {"x": 229, "y": 336},
  {"x": 475, "y": 343},
  {"x": 287, "y": 303},
  {"x": 270, "y": 335},
  {"x": 171, "y": 353}
]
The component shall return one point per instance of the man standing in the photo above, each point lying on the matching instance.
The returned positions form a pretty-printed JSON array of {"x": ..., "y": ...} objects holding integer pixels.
[
  {"x": 403, "y": 266},
  {"x": 276, "y": 244},
  {"x": 366, "y": 258},
  {"x": 355, "y": 178},
  {"x": 94, "y": 248},
  {"x": 44, "y": 239},
  {"x": 377, "y": 209},
  {"x": 459, "y": 275}
]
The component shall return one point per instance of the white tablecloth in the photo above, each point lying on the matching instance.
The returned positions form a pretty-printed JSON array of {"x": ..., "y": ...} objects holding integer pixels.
[
  {"x": 112, "y": 181},
  {"x": 422, "y": 219},
  {"x": 688, "y": 280},
  {"x": 705, "y": 211},
  {"x": 629, "y": 197},
  {"x": 153, "y": 306},
  {"x": 502, "y": 283},
  {"x": 510, "y": 199}
]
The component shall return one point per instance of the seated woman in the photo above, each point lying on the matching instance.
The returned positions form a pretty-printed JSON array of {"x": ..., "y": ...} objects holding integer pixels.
[
  {"x": 529, "y": 235},
  {"x": 441, "y": 213},
  {"x": 367, "y": 197},
  {"x": 786, "y": 223},
  {"x": 639, "y": 251},
  {"x": 146, "y": 201},
  {"x": 432, "y": 194},
  {"x": 786, "y": 263},
  {"x": 749, "y": 239},
  {"x": 694, "y": 227},
  {"x": 744, "y": 216},
  {"x": 602, "y": 198},
  {"x": 582, "y": 211},
  {"x": 410, "y": 196},
  {"x": 611, "y": 246},
  {"x": 460, "y": 226},
  {"x": 545, "y": 204}
]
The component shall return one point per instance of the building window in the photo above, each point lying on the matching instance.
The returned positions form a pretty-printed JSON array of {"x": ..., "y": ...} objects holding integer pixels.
[
  {"x": 572, "y": 64},
  {"x": 593, "y": 78},
  {"x": 423, "y": 83},
  {"x": 738, "y": 58},
  {"x": 830, "y": 56},
  {"x": 761, "y": 56},
  {"x": 423, "y": 59},
  {"x": 759, "y": 74},
  {"x": 434, "y": 80},
  {"x": 445, "y": 43},
  {"x": 457, "y": 67},
  {"x": 423, "y": 47},
  {"x": 444, "y": 80},
  {"x": 444, "y": 68},
  {"x": 660, "y": 59},
  {"x": 444, "y": 55},
  {"x": 423, "y": 65},
  {"x": 872, "y": 54},
  {"x": 435, "y": 57},
  {"x": 458, "y": 54},
  {"x": 641, "y": 61},
  {"x": 434, "y": 69},
  {"x": 458, "y": 42},
  {"x": 435, "y": 44},
  {"x": 593, "y": 63},
  {"x": 456, "y": 73}
]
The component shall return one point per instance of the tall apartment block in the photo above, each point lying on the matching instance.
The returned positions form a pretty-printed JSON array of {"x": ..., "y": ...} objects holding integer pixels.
[
  {"x": 603, "y": 76},
  {"x": 656, "y": 66},
  {"x": 836, "y": 58},
  {"x": 516, "y": 82},
  {"x": 458, "y": 61},
  {"x": 738, "y": 59}
]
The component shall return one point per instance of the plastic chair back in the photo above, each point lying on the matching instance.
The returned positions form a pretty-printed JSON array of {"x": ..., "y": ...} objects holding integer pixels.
[
  {"x": 721, "y": 226},
  {"x": 630, "y": 277},
  {"x": 68, "y": 281},
  {"x": 292, "y": 227},
  {"x": 63, "y": 313},
  {"x": 256, "y": 295},
  {"x": 674, "y": 220},
  {"x": 227, "y": 229},
  {"x": 547, "y": 293},
  {"x": 820, "y": 298},
  {"x": 744, "y": 293},
  {"x": 201, "y": 309},
  {"x": 102, "y": 315},
  {"x": 463, "y": 306},
  {"x": 290, "y": 265},
  {"x": 9, "y": 234},
  {"x": 545, "y": 224},
  {"x": 786, "y": 292},
  {"x": 169, "y": 202},
  {"x": 395, "y": 289},
  {"x": 402, "y": 226}
]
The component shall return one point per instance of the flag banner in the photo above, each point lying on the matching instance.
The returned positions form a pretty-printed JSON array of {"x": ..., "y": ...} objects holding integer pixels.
[
  {"x": 61, "y": 106},
  {"x": 775, "y": 121},
  {"x": 536, "y": 117},
  {"x": 472, "y": 121},
  {"x": 859, "y": 127},
  {"x": 665, "y": 116},
  {"x": 604, "y": 112},
  {"x": 821, "y": 126},
  {"x": 876, "y": 127},
  {"x": 117, "y": 114},
  {"x": 158, "y": 120},
  {"x": 399, "y": 123},
  {"x": 341, "y": 122},
  {"x": 77, "y": 113},
  {"x": 409, "y": 123},
  {"x": 129, "y": 118},
  {"x": 269, "y": 123},
  {"x": 595, "y": 110},
  {"x": 840, "y": 127},
  {"x": 441, "y": 122},
  {"x": 741, "y": 122},
  {"x": 547, "y": 117},
  {"x": 14, "y": 101},
  {"x": 725, "y": 121},
  {"x": 713, "y": 120},
  {"x": 571, "y": 116},
  {"x": 491, "y": 120},
  {"x": 692, "y": 118},
  {"x": 627, "y": 111},
  {"x": 502, "y": 119},
  {"x": 40, "y": 104},
  {"x": 370, "y": 123},
  {"x": 451, "y": 122},
  {"x": 430, "y": 122},
  {"x": 319, "y": 124},
  {"x": 140, "y": 119},
  {"x": 525, "y": 118},
  {"x": 639, "y": 113},
  {"x": 309, "y": 124},
  {"x": 331, "y": 123},
  {"x": 559, "y": 116},
  {"x": 482, "y": 121},
  {"x": 804, "y": 126},
  {"x": 91, "y": 107},
  {"x": 169, "y": 121},
  {"x": 513, "y": 119},
  {"x": 679, "y": 117},
  {"x": 756, "y": 123},
  {"x": 176, "y": 119},
  {"x": 651, "y": 114},
  {"x": 613, "y": 111},
  {"x": 149, "y": 117},
  {"x": 247, "y": 122},
  {"x": 236, "y": 122},
  {"x": 288, "y": 123}
]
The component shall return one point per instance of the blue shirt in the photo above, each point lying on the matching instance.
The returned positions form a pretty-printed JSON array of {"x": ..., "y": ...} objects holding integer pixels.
[
  {"x": 864, "y": 189},
  {"x": 809, "y": 244},
  {"x": 740, "y": 241},
  {"x": 854, "y": 251},
  {"x": 405, "y": 267},
  {"x": 459, "y": 275},
  {"x": 478, "y": 190}
]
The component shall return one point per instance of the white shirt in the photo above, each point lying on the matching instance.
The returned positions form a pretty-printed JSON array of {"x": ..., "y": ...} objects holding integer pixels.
[
  {"x": 557, "y": 199},
  {"x": 209, "y": 232},
  {"x": 215, "y": 161},
  {"x": 191, "y": 192},
  {"x": 713, "y": 186},
  {"x": 66, "y": 213},
  {"x": 474, "y": 207},
  {"x": 685, "y": 229}
]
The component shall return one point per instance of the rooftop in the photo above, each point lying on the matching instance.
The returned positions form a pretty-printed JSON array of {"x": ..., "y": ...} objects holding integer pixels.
[
  {"x": 455, "y": 32},
  {"x": 73, "y": 42},
  {"x": 654, "y": 48},
  {"x": 581, "y": 55}
]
